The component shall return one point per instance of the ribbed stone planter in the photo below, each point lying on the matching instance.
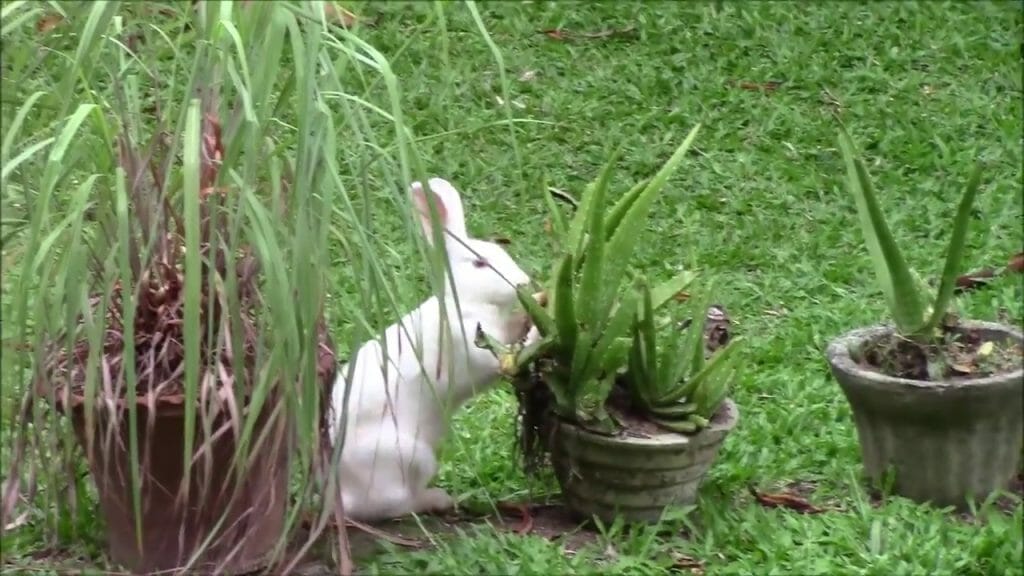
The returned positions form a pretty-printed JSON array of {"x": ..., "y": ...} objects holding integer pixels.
[
  {"x": 636, "y": 478},
  {"x": 945, "y": 441}
]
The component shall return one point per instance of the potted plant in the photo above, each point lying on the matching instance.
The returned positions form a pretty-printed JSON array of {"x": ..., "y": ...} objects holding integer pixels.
[
  {"x": 936, "y": 399},
  {"x": 627, "y": 406},
  {"x": 175, "y": 313}
]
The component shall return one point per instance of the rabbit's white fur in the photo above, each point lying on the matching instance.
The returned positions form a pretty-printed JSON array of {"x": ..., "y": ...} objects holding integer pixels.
[{"x": 398, "y": 410}]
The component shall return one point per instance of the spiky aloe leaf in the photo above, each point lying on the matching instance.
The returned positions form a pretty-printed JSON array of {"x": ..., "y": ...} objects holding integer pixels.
[
  {"x": 645, "y": 340},
  {"x": 622, "y": 205},
  {"x": 590, "y": 410},
  {"x": 677, "y": 364},
  {"x": 665, "y": 291},
  {"x": 583, "y": 212},
  {"x": 618, "y": 328},
  {"x": 622, "y": 243},
  {"x": 590, "y": 297},
  {"x": 955, "y": 252},
  {"x": 559, "y": 227},
  {"x": 538, "y": 315},
  {"x": 566, "y": 318},
  {"x": 891, "y": 268},
  {"x": 615, "y": 357},
  {"x": 710, "y": 386},
  {"x": 580, "y": 377}
]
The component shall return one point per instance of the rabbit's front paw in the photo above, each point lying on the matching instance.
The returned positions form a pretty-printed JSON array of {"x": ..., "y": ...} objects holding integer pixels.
[{"x": 434, "y": 500}]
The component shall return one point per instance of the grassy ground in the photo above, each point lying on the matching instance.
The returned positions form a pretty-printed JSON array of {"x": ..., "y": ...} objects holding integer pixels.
[{"x": 760, "y": 208}]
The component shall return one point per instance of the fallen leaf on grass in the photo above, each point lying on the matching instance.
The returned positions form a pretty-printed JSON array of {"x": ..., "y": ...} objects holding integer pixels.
[
  {"x": 769, "y": 86},
  {"x": 47, "y": 23},
  {"x": 980, "y": 278},
  {"x": 975, "y": 279},
  {"x": 525, "y": 525},
  {"x": 785, "y": 500},
  {"x": 564, "y": 35},
  {"x": 689, "y": 563},
  {"x": 1016, "y": 263}
]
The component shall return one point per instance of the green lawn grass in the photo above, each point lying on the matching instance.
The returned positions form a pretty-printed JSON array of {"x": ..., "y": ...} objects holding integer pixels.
[{"x": 760, "y": 208}]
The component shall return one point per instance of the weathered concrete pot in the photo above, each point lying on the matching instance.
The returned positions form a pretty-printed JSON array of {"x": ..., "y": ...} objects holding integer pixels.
[
  {"x": 636, "y": 478},
  {"x": 946, "y": 441}
]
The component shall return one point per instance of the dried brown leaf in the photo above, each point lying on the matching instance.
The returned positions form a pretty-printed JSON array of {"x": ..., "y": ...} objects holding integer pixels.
[
  {"x": 563, "y": 35},
  {"x": 785, "y": 500},
  {"x": 47, "y": 23},
  {"x": 975, "y": 279},
  {"x": 767, "y": 86},
  {"x": 1016, "y": 263},
  {"x": 689, "y": 563}
]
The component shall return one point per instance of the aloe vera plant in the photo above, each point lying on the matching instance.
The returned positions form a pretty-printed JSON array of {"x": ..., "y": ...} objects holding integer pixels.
[
  {"x": 914, "y": 316},
  {"x": 587, "y": 334},
  {"x": 672, "y": 381}
]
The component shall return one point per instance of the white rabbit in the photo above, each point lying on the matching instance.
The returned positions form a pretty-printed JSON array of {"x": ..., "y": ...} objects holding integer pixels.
[{"x": 397, "y": 412}]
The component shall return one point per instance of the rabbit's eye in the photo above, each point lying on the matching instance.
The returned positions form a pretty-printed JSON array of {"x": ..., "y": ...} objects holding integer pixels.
[{"x": 480, "y": 263}]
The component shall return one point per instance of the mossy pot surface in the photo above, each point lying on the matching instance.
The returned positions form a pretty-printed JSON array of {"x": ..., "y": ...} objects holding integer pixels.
[
  {"x": 631, "y": 476},
  {"x": 946, "y": 441}
]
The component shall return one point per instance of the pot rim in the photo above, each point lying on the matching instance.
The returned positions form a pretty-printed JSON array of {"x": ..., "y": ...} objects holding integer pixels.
[
  {"x": 717, "y": 428},
  {"x": 838, "y": 355}
]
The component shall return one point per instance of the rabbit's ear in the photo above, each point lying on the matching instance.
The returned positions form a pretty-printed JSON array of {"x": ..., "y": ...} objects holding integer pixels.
[
  {"x": 456, "y": 222},
  {"x": 420, "y": 197}
]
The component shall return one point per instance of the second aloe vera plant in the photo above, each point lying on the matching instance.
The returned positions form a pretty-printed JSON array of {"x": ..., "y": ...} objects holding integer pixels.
[
  {"x": 936, "y": 399},
  {"x": 631, "y": 408}
]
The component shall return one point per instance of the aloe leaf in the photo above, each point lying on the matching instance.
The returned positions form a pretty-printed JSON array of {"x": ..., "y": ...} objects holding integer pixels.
[
  {"x": 649, "y": 351},
  {"x": 579, "y": 377},
  {"x": 891, "y": 269},
  {"x": 564, "y": 307},
  {"x": 622, "y": 243},
  {"x": 538, "y": 315},
  {"x": 615, "y": 357},
  {"x": 664, "y": 292},
  {"x": 583, "y": 211},
  {"x": 617, "y": 328},
  {"x": 590, "y": 296},
  {"x": 559, "y": 227},
  {"x": 695, "y": 333},
  {"x": 706, "y": 381},
  {"x": 955, "y": 252},
  {"x": 622, "y": 205}
]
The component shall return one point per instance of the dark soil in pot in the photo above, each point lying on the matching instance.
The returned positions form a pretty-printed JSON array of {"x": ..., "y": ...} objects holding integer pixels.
[
  {"x": 946, "y": 440},
  {"x": 962, "y": 352}
]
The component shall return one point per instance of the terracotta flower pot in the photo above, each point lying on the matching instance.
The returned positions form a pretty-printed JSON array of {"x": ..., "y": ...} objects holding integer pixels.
[
  {"x": 635, "y": 478},
  {"x": 946, "y": 441},
  {"x": 172, "y": 531}
]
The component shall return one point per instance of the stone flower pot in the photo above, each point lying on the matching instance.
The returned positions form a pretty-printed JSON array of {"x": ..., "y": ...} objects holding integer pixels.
[
  {"x": 946, "y": 441},
  {"x": 633, "y": 477}
]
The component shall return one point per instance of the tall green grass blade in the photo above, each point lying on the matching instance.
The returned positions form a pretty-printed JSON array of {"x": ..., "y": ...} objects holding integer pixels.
[
  {"x": 14, "y": 128},
  {"x": 193, "y": 280},
  {"x": 891, "y": 269},
  {"x": 127, "y": 281}
]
